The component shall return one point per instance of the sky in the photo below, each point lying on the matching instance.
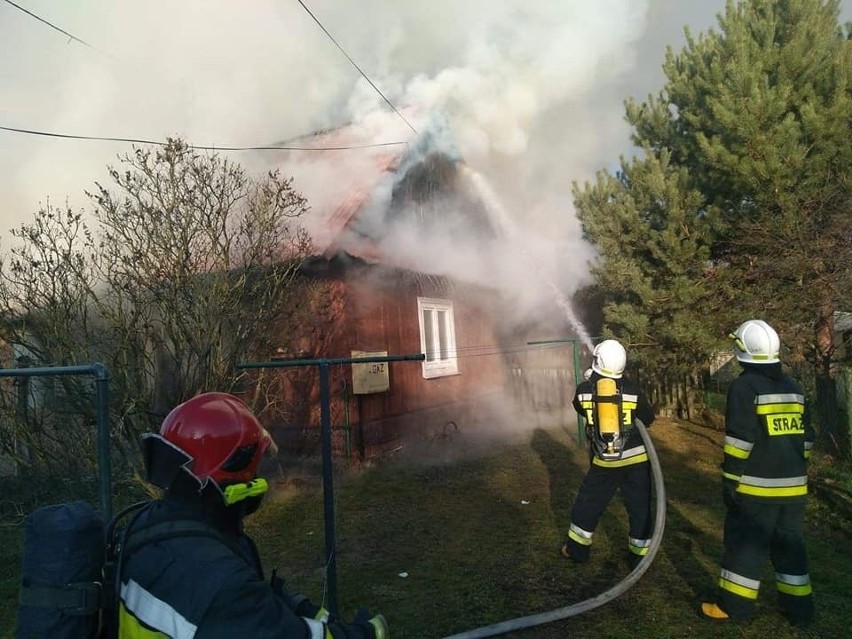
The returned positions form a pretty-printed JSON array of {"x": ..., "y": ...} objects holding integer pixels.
[{"x": 532, "y": 91}]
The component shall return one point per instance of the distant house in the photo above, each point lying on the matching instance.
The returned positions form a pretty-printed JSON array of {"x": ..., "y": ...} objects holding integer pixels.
[
  {"x": 843, "y": 336},
  {"x": 26, "y": 394},
  {"x": 392, "y": 226}
]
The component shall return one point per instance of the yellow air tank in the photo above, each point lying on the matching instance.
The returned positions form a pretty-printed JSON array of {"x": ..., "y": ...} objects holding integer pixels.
[{"x": 608, "y": 414}]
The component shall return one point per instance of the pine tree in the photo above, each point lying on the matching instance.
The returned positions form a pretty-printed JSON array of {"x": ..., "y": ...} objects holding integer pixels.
[
  {"x": 654, "y": 244},
  {"x": 758, "y": 116}
]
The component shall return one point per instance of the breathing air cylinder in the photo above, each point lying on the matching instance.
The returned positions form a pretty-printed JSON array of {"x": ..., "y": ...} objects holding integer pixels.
[
  {"x": 61, "y": 572},
  {"x": 608, "y": 416}
]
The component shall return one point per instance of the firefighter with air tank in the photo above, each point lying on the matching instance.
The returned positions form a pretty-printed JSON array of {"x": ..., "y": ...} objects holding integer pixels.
[{"x": 610, "y": 404}]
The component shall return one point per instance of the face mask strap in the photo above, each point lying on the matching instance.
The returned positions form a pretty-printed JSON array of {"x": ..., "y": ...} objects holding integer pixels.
[
  {"x": 238, "y": 492},
  {"x": 738, "y": 343}
]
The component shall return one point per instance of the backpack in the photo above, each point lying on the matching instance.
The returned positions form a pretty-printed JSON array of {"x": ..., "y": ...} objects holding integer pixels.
[{"x": 71, "y": 566}]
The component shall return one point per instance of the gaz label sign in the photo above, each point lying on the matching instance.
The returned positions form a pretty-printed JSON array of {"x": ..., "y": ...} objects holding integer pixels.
[{"x": 370, "y": 377}]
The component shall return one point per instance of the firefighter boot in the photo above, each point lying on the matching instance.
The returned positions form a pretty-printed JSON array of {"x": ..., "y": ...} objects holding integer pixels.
[
  {"x": 712, "y": 611},
  {"x": 380, "y": 627},
  {"x": 575, "y": 552},
  {"x": 634, "y": 560},
  {"x": 376, "y": 626}
]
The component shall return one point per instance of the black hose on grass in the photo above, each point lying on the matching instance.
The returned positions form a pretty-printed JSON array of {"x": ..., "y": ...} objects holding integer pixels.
[{"x": 618, "y": 589}]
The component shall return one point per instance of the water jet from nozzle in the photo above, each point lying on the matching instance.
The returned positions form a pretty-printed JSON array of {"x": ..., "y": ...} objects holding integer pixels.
[{"x": 501, "y": 218}]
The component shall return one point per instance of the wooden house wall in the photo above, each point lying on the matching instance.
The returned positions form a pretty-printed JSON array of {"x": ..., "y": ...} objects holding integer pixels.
[
  {"x": 369, "y": 312},
  {"x": 387, "y": 320}
]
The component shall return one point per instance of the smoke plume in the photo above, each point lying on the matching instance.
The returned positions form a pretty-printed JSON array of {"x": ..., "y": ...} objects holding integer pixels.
[{"x": 530, "y": 92}]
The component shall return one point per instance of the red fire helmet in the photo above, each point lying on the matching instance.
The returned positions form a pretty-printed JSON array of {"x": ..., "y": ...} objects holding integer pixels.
[{"x": 221, "y": 434}]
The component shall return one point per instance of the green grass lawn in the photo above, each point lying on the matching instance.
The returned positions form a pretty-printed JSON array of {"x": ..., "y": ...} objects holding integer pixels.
[{"x": 476, "y": 532}]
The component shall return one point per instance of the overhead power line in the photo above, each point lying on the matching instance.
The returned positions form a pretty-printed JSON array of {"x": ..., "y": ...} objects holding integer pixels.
[
  {"x": 200, "y": 148},
  {"x": 216, "y": 148},
  {"x": 363, "y": 75},
  {"x": 50, "y": 24}
]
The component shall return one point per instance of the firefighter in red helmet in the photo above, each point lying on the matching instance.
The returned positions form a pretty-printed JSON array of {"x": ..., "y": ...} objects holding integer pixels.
[{"x": 187, "y": 568}]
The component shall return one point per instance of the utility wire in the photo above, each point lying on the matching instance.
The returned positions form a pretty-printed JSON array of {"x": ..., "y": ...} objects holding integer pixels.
[
  {"x": 364, "y": 75},
  {"x": 50, "y": 24},
  {"x": 200, "y": 148},
  {"x": 287, "y": 148}
]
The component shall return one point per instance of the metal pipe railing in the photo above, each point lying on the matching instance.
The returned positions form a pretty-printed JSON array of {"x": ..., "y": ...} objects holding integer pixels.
[{"x": 325, "y": 421}]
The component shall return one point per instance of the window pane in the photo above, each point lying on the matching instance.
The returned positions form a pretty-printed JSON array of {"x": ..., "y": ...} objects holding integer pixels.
[
  {"x": 429, "y": 334},
  {"x": 442, "y": 335},
  {"x": 437, "y": 338}
]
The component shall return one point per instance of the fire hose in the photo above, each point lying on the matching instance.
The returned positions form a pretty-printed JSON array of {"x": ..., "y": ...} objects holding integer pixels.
[{"x": 618, "y": 589}]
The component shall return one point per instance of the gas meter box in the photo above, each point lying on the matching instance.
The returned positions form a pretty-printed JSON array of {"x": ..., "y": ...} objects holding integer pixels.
[{"x": 370, "y": 377}]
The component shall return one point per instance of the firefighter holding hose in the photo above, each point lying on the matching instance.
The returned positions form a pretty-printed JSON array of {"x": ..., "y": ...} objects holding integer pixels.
[
  {"x": 768, "y": 438},
  {"x": 610, "y": 403}
]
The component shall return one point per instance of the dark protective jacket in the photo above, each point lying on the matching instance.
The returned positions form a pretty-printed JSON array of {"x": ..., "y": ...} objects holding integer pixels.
[
  {"x": 768, "y": 435},
  {"x": 634, "y": 405},
  {"x": 205, "y": 587}
]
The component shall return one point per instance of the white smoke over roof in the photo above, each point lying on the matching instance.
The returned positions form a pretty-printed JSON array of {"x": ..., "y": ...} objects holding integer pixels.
[{"x": 532, "y": 91}]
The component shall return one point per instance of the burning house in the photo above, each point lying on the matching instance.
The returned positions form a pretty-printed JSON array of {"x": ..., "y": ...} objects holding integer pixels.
[{"x": 395, "y": 220}]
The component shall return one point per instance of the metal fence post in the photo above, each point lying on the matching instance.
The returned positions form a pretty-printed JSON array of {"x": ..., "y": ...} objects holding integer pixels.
[
  {"x": 327, "y": 460},
  {"x": 327, "y": 485}
]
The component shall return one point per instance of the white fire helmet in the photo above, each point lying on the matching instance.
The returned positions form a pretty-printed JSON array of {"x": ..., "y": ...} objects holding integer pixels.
[
  {"x": 756, "y": 342},
  {"x": 609, "y": 359}
]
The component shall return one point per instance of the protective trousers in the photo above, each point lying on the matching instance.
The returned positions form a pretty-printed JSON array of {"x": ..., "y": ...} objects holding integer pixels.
[
  {"x": 752, "y": 529},
  {"x": 596, "y": 491}
]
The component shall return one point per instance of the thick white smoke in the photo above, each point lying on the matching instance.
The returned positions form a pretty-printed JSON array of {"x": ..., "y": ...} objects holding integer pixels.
[
  {"x": 531, "y": 91},
  {"x": 510, "y": 96}
]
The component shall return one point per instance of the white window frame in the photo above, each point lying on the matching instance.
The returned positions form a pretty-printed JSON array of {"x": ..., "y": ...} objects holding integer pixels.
[{"x": 440, "y": 361}]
